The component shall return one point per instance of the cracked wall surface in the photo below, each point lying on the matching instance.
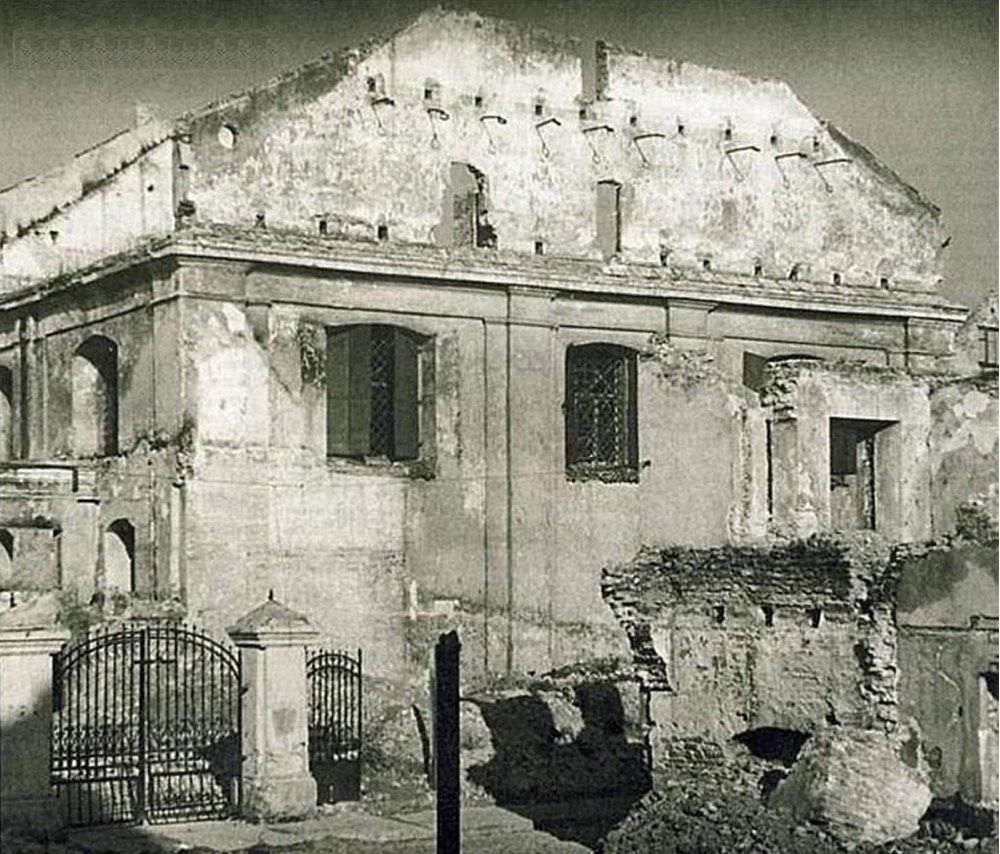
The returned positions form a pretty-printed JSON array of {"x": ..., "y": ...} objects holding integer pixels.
[
  {"x": 715, "y": 166},
  {"x": 792, "y": 636}
]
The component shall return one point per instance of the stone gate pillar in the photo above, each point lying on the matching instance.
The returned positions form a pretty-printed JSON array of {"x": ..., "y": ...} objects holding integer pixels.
[
  {"x": 276, "y": 780},
  {"x": 26, "y": 797}
]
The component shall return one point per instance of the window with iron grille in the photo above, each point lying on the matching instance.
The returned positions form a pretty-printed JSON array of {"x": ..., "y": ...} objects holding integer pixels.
[
  {"x": 601, "y": 423},
  {"x": 377, "y": 381},
  {"x": 988, "y": 343}
]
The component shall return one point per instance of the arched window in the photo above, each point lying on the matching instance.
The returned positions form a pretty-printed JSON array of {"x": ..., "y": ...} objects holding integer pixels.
[
  {"x": 6, "y": 413},
  {"x": 6, "y": 559},
  {"x": 119, "y": 556},
  {"x": 95, "y": 397},
  {"x": 601, "y": 417}
]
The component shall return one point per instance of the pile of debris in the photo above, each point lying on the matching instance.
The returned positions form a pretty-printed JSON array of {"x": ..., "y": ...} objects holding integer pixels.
[{"x": 848, "y": 790}]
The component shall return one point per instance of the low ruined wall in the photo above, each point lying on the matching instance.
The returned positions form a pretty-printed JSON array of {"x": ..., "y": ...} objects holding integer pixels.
[{"x": 795, "y": 636}]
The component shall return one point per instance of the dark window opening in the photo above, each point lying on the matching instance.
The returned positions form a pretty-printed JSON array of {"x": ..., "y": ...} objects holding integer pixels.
[
  {"x": 322, "y": 226},
  {"x": 769, "y": 463},
  {"x": 768, "y": 612},
  {"x": 375, "y": 389},
  {"x": 773, "y": 744},
  {"x": 478, "y": 100},
  {"x": 539, "y": 108},
  {"x": 539, "y": 247},
  {"x": 758, "y": 269},
  {"x": 728, "y": 134},
  {"x": 6, "y": 413},
  {"x": 601, "y": 420},
  {"x": 119, "y": 556},
  {"x": 583, "y": 112},
  {"x": 680, "y": 129},
  {"x": 94, "y": 382},
  {"x": 837, "y": 278},
  {"x": 815, "y": 617},
  {"x": 719, "y": 614},
  {"x": 793, "y": 274},
  {"x": 706, "y": 263},
  {"x": 372, "y": 84},
  {"x": 609, "y": 218},
  {"x": 466, "y": 209},
  {"x": 383, "y": 233},
  {"x": 6, "y": 560},
  {"x": 852, "y": 473},
  {"x": 988, "y": 343},
  {"x": 633, "y": 121},
  {"x": 883, "y": 282},
  {"x": 990, "y": 679}
]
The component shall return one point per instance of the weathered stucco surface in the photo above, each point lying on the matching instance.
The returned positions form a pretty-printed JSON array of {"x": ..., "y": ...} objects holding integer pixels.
[
  {"x": 964, "y": 451},
  {"x": 947, "y": 614},
  {"x": 216, "y": 252},
  {"x": 795, "y": 637}
]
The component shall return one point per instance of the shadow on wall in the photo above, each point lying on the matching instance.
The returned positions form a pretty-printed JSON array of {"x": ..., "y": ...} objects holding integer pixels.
[{"x": 574, "y": 789}]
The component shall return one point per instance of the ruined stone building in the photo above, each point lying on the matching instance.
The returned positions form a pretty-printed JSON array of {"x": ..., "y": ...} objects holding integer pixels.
[{"x": 440, "y": 328}]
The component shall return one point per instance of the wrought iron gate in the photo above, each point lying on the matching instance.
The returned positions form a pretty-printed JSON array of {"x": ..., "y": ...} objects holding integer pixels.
[
  {"x": 146, "y": 726},
  {"x": 334, "y": 680}
]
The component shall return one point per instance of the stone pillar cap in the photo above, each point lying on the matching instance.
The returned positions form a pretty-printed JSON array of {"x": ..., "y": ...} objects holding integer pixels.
[{"x": 272, "y": 623}]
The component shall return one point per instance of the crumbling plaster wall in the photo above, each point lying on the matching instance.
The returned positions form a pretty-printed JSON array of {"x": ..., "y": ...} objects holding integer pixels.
[
  {"x": 963, "y": 444},
  {"x": 313, "y": 145},
  {"x": 947, "y": 614},
  {"x": 793, "y": 636},
  {"x": 803, "y": 397},
  {"x": 108, "y": 200},
  {"x": 142, "y": 483},
  {"x": 498, "y": 535}
]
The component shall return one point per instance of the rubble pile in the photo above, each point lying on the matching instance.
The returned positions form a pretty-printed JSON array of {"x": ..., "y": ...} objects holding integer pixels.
[{"x": 694, "y": 818}]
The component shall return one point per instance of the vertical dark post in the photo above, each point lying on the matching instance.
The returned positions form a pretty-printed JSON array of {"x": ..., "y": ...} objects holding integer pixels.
[
  {"x": 140, "y": 807},
  {"x": 447, "y": 776}
]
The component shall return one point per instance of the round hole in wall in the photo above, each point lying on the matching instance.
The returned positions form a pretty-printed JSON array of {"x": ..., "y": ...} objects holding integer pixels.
[{"x": 227, "y": 136}]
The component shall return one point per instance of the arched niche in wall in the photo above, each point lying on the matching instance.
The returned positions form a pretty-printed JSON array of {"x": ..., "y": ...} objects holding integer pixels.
[
  {"x": 6, "y": 413},
  {"x": 95, "y": 397},
  {"x": 6, "y": 559},
  {"x": 119, "y": 556}
]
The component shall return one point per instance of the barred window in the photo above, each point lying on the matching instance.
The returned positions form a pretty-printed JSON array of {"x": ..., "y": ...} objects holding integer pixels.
[
  {"x": 988, "y": 343},
  {"x": 601, "y": 423},
  {"x": 376, "y": 377}
]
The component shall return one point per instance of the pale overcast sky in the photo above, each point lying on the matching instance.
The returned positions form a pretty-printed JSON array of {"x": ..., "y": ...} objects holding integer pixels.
[{"x": 915, "y": 81}]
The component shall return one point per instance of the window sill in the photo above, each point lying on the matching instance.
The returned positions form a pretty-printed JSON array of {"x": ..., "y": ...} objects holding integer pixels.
[
  {"x": 381, "y": 466},
  {"x": 603, "y": 474}
]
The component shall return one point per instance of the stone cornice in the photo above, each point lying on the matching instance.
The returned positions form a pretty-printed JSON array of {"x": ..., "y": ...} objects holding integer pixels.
[{"x": 279, "y": 252}]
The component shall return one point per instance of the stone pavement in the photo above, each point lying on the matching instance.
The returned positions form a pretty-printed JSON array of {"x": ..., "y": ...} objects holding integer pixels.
[{"x": 485, "y": 829}]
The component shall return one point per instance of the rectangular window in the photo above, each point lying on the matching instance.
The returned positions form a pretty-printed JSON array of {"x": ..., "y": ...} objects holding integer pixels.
[
  {"x": 609, "y": 240},
  {"x": 852, "y": 473},
  {"x": 988, "y": 340},
  {"x": 375, "y": 376},
  {"x": 601, "y": 420},
  {"x": 466, "y": 214}
]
